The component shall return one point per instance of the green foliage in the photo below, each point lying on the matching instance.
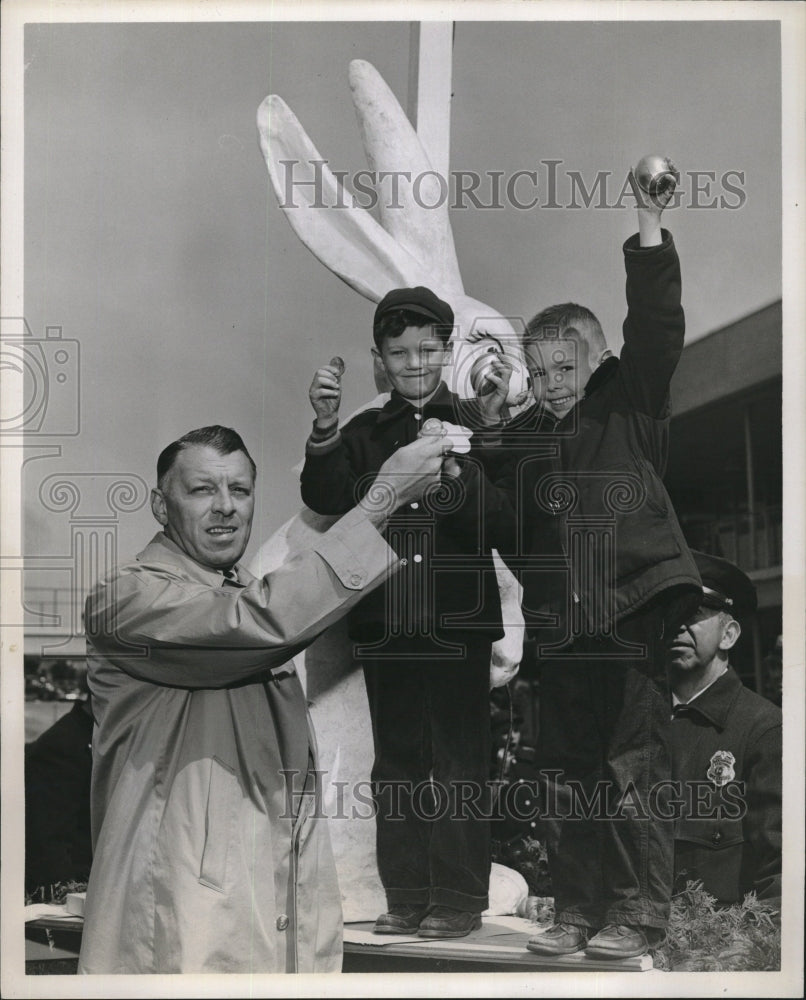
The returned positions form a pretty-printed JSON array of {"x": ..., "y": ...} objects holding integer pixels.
[
  {"x": 54, "y": 893},
  {"x": 705, "y": 937},
  {"x": 527, "y": 856},
  {"x": 702, "y": 936}
]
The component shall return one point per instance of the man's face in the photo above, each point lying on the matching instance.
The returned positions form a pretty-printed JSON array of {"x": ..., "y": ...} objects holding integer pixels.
[
  {"x": 413, "y": 361},
  {"x": 700, "y": 639},
  {"x": 560, "y": 369},
  {"x": 206, "y": 505}
]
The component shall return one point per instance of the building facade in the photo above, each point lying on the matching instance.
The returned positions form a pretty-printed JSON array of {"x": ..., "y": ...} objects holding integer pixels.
[{"x": 725, "y": 469}]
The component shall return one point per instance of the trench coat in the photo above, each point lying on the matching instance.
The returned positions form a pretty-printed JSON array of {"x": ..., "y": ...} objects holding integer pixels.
[{"x": 207, "y": 856}]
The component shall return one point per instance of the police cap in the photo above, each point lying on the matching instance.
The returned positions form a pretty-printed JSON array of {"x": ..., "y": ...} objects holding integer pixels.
[{"x": 725, "y": 586}]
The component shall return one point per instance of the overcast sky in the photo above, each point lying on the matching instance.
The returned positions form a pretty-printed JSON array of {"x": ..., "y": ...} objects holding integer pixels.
[{"x": 153, "y": 238}]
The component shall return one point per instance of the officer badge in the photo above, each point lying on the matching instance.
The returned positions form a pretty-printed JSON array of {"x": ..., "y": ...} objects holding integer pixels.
[{"x": 721, "y": 770}]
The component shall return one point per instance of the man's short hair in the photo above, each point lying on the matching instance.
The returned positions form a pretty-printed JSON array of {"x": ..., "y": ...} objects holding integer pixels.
[
  {"x": 224, "y": 440},
  {"x": 564, "y": 320}
]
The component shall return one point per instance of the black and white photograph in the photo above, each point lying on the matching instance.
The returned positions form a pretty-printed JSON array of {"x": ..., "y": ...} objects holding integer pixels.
[{"x": 402, "y": 437}]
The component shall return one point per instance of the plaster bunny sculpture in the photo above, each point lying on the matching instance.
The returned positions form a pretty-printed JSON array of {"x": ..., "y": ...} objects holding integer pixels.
[{"x": 412, "y": 245}]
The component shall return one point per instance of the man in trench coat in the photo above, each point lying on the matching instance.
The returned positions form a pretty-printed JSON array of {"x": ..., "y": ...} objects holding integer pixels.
[{"x": 210, "y": 847}]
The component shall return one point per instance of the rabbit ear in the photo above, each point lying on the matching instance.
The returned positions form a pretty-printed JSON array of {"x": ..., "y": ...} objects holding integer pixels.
[
  {"x": 421, "y": 226},
  {"x": 346, "y": 240}
]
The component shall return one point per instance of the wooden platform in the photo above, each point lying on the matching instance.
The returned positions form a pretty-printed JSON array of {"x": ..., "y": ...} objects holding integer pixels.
[
  {"x": 52, "y": 943},
  {"x": 499, "y": 946}
]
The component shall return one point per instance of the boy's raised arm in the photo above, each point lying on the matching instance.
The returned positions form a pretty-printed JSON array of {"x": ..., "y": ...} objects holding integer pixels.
[{"x": 654, "y": 328}]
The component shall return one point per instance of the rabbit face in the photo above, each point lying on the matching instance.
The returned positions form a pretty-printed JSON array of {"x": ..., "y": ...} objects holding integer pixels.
[
  {"x": 412, "y": 361},
  {"x": 480, "y": 331}
]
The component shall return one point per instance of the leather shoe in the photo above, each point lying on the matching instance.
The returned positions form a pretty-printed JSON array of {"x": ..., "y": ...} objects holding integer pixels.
[
  {"x": 401, "y": 919},
  {"x": 445, "y": 922},
  {"x": 618, "y": 941},
  {"x": 559, "y": 939}
]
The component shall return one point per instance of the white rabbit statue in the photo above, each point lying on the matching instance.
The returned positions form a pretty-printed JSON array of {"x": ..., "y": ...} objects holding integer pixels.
[{"x": 413, "y": 246}]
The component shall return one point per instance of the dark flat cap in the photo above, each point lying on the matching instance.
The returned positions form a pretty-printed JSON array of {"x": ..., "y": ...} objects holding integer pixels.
[
  {"x": 420, "y": 300},
  {"x": 725, "y": 585}
]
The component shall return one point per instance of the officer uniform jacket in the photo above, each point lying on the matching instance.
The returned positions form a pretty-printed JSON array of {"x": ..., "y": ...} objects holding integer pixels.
[
  {"x": 203, "y": 862},
  {"x": 726, "y": 744},
  {"x": 447, "y": 584}
]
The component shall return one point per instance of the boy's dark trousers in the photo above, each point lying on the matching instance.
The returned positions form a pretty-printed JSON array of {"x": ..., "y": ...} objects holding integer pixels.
[
  {"x": 431, "y": 720},
  {"x": 604, "y": 725}
]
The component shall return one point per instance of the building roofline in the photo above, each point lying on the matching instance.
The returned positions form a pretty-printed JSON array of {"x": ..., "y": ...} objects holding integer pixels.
[
  {"x": 729, "y": 360},
  {"x": 769, "y": 307}
]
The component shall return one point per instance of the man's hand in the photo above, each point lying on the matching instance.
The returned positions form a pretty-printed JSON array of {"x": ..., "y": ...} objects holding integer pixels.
[
  {"x": 457, "y": 439},
  {"x": 325, "y": 393},
  {"x": 405, "y": 476}
]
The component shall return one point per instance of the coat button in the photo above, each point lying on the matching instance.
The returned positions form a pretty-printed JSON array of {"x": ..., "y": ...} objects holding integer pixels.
[
  {"x": 404, "y": 562},
  {"x": 415, "y": 505},
  {"x": 418, "y": 558},
  {"x": 282, "y": 922},
  {"x": 355, "y": 579},
  {"x": 717, "y": 837}
]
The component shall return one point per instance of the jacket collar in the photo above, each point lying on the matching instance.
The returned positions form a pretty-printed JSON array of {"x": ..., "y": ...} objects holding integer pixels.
[
  {"x": 535, "y": 418},
  {"x": 397, "y": 405},
  {"x": 606, "y": 370},
  {"x": 162, "y": 550},
  {"x": 716, "y": 701}
]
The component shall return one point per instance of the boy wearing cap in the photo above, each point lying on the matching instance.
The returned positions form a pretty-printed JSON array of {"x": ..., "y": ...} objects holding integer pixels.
[
  {"x": 425, "y": 637},
  {"x": 726, "y": 749}
]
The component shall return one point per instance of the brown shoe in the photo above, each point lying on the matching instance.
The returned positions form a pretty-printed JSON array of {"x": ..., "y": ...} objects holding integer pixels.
[
  {"x": 401, "y": 919},
  {"x": 446, "y": 922},
  {"x": 618, "y": 941},
  {"x": 559, "y": 939}
]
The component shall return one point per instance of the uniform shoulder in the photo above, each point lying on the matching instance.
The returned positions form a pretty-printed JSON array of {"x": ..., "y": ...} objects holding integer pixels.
[{"x": 758, "y": 713}]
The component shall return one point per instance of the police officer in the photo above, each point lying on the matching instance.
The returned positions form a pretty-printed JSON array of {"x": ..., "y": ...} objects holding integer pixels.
[{"x": 726, "y": 749}]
